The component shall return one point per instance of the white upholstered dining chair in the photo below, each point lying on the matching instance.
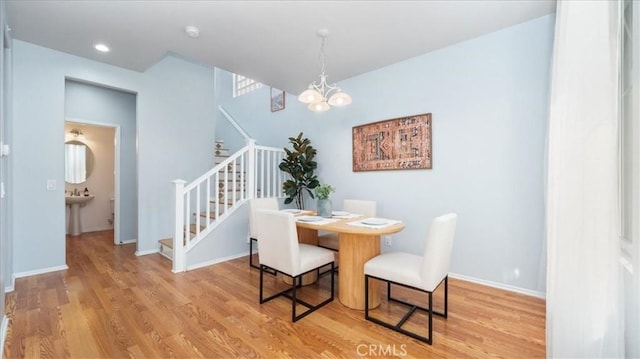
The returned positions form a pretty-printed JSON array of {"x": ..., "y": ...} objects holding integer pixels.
[
  {"x": 280, "y": 251},
  {"x": 365, "y": 208},
  {"x": 256, "y": 204},
  {"x": 421, "y": 273}
]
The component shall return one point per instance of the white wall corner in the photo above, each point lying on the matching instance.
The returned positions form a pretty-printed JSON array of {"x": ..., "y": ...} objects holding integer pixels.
[
  {"x": 144, "y": 253},
  {"x": 128, "y": 241},
  {"x": 4, "y": 327},
  {"x": 11, "y": 287}
]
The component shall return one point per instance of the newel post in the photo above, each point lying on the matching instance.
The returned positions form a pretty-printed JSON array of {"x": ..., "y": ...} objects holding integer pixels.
[
  {"x": 178, "y": 232},
  {"x": 251, "y": 168}
]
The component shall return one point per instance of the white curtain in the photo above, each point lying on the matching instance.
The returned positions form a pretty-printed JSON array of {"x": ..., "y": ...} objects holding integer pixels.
[{"x": 584, "y": 292}]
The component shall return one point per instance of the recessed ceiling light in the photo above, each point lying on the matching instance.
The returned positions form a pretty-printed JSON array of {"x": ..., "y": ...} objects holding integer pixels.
[
  {"x": 192, "y": 31},
  {"x": 102, "y": 47}
]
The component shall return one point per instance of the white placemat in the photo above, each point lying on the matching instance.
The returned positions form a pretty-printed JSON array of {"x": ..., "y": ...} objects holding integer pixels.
[
  {"x": 345, "y": 215},
  {"x": 384, "y": 222},
  {"x": 318, "y": 221},
  {"x": 296, "y": 212}
]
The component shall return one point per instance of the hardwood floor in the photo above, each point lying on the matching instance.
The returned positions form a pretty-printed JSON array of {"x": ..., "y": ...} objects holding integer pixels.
[{"x": 112, "y": 304}]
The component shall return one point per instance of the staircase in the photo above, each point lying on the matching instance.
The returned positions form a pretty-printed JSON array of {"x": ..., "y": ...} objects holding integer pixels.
[
  {"x": 202, "y": 205},
  {"x": 220, "y": 154}
]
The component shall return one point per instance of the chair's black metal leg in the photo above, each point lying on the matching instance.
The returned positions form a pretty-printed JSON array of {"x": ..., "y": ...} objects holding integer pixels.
[
  {"x": 412, "y": 309},
  {"x": 293, "y": 299},
  {"x": 291, "y": 293},
  {"x": 250, "y": 252},
  {"x": 251, "y": 240},
  {"x": 430, "y": 317},
  {"x": 366, "y": 297},
  {"x": 446, "y": 295},
  {"x": 333, "y": 268},
  {"x": 261, "y": 283}
]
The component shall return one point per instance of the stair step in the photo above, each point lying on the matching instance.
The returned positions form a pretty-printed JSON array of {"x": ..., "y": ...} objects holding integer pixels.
[
  {"x": 221, "y": 203},
  {"x": 232, "y": 180},
  {"x": 212, "y": 214},
  {"x": 229, "y": 165},
  {"x": 192, "y": 228},
  {"x": 167, "y": 242}
]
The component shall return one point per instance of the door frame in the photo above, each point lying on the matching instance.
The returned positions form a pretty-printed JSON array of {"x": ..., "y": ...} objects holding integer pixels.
[{"x": 116, "y": 173}]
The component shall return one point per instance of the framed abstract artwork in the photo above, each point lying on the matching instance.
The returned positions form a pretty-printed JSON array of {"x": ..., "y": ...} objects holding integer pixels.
[
  {"x": 277, "y": 100},
  {"x": 398, "y": 144}
]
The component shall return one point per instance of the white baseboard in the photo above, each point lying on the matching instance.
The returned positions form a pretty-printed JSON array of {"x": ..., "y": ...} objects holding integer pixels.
[
  {"x": 11, "y": 287},
  {"x": 147, "y": 252},
  {"x": 3, "y": 333},
  {"x": 510, "y": 288},
  {"x": 215, "y": 261},
  {"x": 128, "y": 241},
  {"x": 40, "y": 271}
]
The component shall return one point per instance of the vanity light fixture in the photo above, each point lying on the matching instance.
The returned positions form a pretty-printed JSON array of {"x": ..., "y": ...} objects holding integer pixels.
[
  {"x": 320, "y": 96},
  {"x": 77, "y": 133},
  {"x": 101, "y": 47}
]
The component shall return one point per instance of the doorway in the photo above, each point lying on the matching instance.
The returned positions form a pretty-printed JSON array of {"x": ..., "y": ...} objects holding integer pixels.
[
  {"x": 91, "y": 168},
  {"x": 96, "y": 109}
]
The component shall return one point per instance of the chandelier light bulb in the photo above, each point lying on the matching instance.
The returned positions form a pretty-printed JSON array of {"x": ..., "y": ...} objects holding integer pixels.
[
  {"x": 310, "y": 96},
  {"x": 339, "y": 99},
  {"x": 319, "y": 107}
]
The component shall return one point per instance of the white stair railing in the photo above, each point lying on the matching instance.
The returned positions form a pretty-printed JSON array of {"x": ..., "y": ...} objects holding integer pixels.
[{"x": 252, "y": 172}]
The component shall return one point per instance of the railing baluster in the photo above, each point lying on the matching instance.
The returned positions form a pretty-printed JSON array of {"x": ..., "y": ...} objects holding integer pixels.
[
  {"x": 217, "y": 194},
  {"x": 207, "y": 201},
  {"x": 234, "y": 179},
  {"x": 262, "y": 173},
  {"x": 224, "y": 187},
  {"x": 198, "y": 200},
  {"x": 267, "y": 171},
  {"x": 187, "y": 220},
  {"x": 178, "y": 231}
]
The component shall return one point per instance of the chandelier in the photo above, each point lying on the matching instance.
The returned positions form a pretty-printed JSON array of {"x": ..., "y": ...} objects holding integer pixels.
[{"x": 320, "y": 96}]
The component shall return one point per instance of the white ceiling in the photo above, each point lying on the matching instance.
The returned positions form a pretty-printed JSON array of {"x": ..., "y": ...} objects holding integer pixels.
[{"x": 272, "y": 41}]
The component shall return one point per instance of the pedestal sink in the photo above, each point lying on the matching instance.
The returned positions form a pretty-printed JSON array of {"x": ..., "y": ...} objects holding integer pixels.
[{"x": 75, "y": 202}]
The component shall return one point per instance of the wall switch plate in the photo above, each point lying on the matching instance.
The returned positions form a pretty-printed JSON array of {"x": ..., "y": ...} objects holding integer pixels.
[
  {"x": 51, "y": 185},
  {"x": 387, "y": 241},
  {"x": 4, "y": 150}
]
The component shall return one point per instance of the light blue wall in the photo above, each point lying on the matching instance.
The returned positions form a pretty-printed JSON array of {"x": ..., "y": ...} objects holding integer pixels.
[
  {"x": 95, "y": 104},
  {"x": 489, "y": 100},
  {"x": 38, "y": 130},
  {"x": 175, "y": 140}
]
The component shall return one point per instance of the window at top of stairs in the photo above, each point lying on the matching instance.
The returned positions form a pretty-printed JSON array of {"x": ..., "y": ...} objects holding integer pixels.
[{"x": 243, "y": 85}]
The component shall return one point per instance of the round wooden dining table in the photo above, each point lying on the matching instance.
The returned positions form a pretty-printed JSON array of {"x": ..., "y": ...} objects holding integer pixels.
[{"x": 357, "y": 245}]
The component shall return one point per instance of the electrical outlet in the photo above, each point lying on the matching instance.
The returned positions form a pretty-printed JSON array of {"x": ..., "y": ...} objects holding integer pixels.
[{"x": 387, "y": 240}]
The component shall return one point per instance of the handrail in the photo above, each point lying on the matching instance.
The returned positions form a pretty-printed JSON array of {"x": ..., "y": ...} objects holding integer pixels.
[
  {"x": 233, "y": 122},
  {"x": 215, "y": 169},
  {"x": 250, "y": 172}
]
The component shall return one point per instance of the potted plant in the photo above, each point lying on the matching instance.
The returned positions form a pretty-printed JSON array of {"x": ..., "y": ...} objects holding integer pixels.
[
  {"x": 299, "y": 163},
  {"x": 324, "y": 203}
]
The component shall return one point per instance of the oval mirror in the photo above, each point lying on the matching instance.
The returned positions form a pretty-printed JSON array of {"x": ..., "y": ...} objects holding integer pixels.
[{"x": 78, "y": 162}]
